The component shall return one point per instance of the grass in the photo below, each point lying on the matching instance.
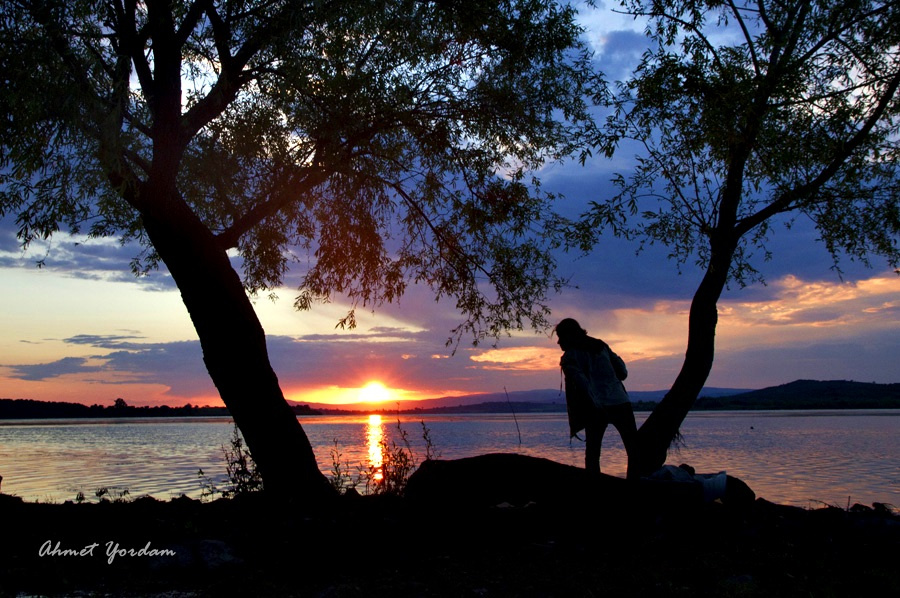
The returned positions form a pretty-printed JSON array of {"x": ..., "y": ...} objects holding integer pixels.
[
  {"x": 398, "y": 462},
  {"x": 105, "y": 494},
  {"x": 242, "y": 473}
]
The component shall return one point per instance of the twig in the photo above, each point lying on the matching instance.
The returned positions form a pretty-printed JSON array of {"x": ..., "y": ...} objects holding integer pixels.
[{"x": 515, "y": 419}]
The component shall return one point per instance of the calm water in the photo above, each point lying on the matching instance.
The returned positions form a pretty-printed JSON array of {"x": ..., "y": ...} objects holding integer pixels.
[{"x": 803, "y": 457}]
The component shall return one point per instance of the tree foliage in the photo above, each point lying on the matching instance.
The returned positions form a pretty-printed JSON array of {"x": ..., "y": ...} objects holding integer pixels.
[
  {"x": 753, "y": 113},
  {"x": 372, "y": 143}
]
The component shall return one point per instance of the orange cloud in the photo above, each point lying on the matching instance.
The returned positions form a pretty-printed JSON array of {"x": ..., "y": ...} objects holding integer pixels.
[
  {"x": 519, "y": 358},
  {"x": 811, "y": 308}
]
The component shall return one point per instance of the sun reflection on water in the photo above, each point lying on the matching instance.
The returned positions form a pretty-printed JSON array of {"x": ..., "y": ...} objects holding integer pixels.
[{"x": 374, "y": 438}]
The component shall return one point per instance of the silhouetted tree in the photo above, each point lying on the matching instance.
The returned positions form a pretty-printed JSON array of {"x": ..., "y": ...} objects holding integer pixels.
[
  {"x": 388, "y": 140},
  {"x": 751, "y": 113}
]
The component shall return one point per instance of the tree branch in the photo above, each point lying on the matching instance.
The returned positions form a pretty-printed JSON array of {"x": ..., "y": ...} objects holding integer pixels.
[
  {"x": 232, "y": 76},
  {"x": 443, "y": 241},
  {"x": 191, "y": 19},
  {"x": 132, "y": 43},
  {"x": 294, "y": 186},
  {"x": 753, "y": 57},
  {"x": 844, "y": 150}
]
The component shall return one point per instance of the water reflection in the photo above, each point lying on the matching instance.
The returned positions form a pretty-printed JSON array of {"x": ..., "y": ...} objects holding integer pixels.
[
  {"x": 788, "y": 457},
  {"x": 374, "y": 440}
]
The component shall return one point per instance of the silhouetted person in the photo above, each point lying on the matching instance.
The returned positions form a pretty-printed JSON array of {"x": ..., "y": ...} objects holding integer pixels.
[{"x": 595, "y": 395}]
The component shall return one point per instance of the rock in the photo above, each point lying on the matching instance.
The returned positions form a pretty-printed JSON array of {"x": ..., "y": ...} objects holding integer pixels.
[
  {"x": 493, "y": 479},
  {"x": 496, "y": 478},
  {"x": 709, "y": 487},
  {"x": 517, "y": 480},
  {"x": 738, "y": 493},
  {"x": 7, "y": 500}
]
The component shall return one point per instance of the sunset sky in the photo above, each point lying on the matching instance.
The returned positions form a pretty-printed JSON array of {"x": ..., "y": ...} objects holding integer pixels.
[{"x": 83, "y": 329}]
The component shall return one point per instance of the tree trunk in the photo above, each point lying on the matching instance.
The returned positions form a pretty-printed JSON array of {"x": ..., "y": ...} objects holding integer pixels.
[
  {"x": 234, "y": 351},
  {"x": 661, "y": 428}
]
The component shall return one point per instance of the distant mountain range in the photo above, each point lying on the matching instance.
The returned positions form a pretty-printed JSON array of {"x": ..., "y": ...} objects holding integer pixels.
[
  {"x": 800, "y": 394},
  {"x": 810, "y": 394},
  {"x": 537, "y": 399}
]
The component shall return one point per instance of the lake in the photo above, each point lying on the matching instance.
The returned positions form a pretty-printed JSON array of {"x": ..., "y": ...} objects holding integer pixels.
[{"x": 803, "y": 458}]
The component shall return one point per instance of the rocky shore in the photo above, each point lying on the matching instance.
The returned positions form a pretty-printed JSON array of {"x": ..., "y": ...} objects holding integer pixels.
[{"x": 388, "y": 546}]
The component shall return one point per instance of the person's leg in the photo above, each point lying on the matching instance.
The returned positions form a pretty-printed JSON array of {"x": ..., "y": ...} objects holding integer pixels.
[
  {"x": 593, "y": 441},
  {"x": 622, "y": 417}
]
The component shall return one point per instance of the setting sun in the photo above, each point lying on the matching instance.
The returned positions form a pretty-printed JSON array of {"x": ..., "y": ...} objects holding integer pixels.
[{"x": 374, "y": 392}]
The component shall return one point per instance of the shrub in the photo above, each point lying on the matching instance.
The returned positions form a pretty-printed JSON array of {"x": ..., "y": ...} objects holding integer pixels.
[
  {"x": 398, "y": 463},
  {"x": 240, "y": 468},
  {"x": 340, "y": 479}
]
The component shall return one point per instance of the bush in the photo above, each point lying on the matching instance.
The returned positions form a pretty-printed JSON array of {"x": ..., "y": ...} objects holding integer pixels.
[
  {"x": 398, "y": 462},
  {"x": 240, "y": 468}
]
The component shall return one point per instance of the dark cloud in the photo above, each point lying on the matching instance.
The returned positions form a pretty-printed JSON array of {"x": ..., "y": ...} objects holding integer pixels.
[
  {"x": 619, "y": 273},
  {"x": 108, "y": 341},
  {"x": 78, "y": 257},
  {"x": 620, "y": 53},
  {"x": 8, "y": 241},
  {"x": 53, "y": 369},
  {"x": 177, "y": 364},
  {"x": 614, "y": 276}
]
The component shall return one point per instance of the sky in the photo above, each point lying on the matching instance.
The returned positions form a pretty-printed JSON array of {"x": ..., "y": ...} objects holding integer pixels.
[{"x": 83, "y": 329}]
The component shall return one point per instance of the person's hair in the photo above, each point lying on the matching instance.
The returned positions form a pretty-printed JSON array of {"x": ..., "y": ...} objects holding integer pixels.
[{"x": 570, "y": 329}]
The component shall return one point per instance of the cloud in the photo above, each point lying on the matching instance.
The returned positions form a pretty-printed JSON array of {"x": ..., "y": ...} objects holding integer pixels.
[
  {"x": 54, "y": 369},
  {"x": 177, "y": 365},
  {"x": 803, "y": 329},
  {"x": 108, "y": 341},
  {"x": 765, "y": 337},
  {"x": 77, "y": 256},
  {"x": 851, "y": 305},
  {"x": 518, "y": 358},
  {"x": 400, "y": 359},
  {"x": 619, "y": 52}
]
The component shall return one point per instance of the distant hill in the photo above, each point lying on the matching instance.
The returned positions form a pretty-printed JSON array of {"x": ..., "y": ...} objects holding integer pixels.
[
  {"x": 522, "y": 400},
  {"x": 801, "y": 394},
  {"x": 810, "y": 394},
  {"x": 547, "y": 396}
]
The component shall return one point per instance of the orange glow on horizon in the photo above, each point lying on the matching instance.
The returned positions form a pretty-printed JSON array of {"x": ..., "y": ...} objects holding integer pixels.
[{"x": 374, "y": 392}]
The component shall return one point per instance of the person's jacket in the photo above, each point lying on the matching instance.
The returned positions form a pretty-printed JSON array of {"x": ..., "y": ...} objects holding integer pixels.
[{"x": 593, "y": 374}]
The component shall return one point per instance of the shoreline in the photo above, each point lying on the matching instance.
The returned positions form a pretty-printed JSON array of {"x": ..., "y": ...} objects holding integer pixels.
[
  {"x": 496, "y": 409},
  {"x": 388, "y": 546}
]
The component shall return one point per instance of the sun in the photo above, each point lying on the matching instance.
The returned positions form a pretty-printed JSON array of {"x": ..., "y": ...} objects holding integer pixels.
[{"x": 374, "y": 392}]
